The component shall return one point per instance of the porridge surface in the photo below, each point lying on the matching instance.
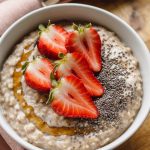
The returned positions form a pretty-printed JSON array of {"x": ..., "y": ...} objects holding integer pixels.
[{"x": 119, "y": 105}]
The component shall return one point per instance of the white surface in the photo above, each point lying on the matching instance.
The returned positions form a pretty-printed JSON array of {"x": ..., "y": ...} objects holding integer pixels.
[{"x": 88, "y": 13}]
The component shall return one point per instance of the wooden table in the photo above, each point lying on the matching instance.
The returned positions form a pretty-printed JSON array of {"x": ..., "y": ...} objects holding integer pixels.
[{"x": 137, "y": 14}]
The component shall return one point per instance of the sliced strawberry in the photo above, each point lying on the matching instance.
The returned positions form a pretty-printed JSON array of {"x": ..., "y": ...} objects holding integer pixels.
[
  {"x": 70, "y": 99},
  {"x": 52, "y": 41},
  {"x": 87, "y": 41},
  {"x": 75, "y": 63},
  {"x": 37, "y": 74}
]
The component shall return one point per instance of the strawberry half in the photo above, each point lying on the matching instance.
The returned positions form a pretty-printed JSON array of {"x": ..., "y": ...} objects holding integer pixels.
[
  {"x": 75, "y": 63},
  {"x": 87, "y": 41},
  {"x": 70, "y": 99},
  {"x": 52, "y": 41},
  {"x": 37, "y": 74}
]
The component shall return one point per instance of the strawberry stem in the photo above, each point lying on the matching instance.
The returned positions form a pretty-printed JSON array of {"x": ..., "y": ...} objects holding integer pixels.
[
  {"x": 88, "y": 25},
  {"x": 24, "y": 67},
  {"x": 50, "y": 97},
  {"x": 61, "y": 55},
  {"x": 75, "y": 26},
  {"x": 56, "y": 65},
  {"x": 53, "y": 80},
  {"x": 42, "y": 27},
  {"x": 79, "y": 27},
  {"x": 49, "y": 23}
]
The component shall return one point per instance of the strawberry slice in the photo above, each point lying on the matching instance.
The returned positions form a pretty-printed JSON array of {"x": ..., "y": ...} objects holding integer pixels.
[
  {"x": 75, "y": 63},
  {"x": 70, "y": 99},
  {"x": 37, "y": 74},
  {"x": 87, "y": 41},
  {"x": 52, "y": 41}
]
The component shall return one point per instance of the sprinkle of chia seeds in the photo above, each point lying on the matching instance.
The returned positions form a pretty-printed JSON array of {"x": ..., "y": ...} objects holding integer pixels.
[{"x": 117, "y": 92}]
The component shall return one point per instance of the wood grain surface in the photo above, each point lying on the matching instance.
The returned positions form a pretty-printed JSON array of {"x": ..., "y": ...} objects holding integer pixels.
[{"x": 137, "y": 14}]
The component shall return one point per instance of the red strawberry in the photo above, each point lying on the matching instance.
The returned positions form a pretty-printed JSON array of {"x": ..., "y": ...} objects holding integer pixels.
[
  {"x": 87, "y": 41},
  {"x": 70, "y": 99},
  {"x": 75, "y": 63},
  {"x": 37, "y": 74},
  {"x": 52, "y": 41}
]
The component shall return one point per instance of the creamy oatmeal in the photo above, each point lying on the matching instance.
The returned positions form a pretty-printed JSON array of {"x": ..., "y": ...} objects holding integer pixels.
[{"x": 119, "y": 105}]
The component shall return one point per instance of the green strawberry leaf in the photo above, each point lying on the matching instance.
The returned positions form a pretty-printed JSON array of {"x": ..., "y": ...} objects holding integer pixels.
[
  {"x": 61, "y": 55},
  {"x": 24, "y": 67},
  {"x": 88, "y": 25},
  {"x": 50, "y": 97},
  {"x": 42, "y": 27}
]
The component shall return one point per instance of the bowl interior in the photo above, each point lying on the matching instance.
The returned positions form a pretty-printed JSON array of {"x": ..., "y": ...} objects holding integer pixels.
[{"x": 90, "y": 14}]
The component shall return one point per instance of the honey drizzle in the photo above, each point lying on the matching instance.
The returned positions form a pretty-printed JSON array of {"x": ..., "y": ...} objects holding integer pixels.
[{"x": 29, "y": 110}]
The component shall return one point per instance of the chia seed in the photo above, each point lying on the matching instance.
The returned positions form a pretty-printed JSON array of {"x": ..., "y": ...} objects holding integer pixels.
[{"x": 115, "y": 97}]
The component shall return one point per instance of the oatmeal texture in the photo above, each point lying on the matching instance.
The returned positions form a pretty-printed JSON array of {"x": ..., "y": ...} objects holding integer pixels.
[{"x": 118, "y": 106}]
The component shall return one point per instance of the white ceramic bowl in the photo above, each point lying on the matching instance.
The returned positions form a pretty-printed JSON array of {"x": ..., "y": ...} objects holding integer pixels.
[{"x": 81, "y": 12}]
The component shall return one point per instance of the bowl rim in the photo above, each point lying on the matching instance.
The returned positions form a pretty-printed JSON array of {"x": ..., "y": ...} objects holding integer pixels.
[{"x": 127, "y": 134}]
